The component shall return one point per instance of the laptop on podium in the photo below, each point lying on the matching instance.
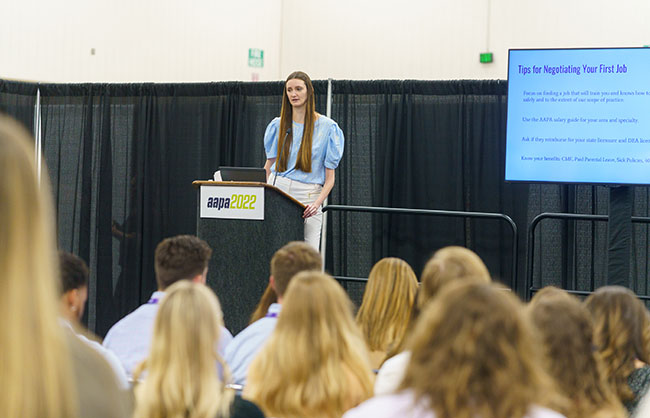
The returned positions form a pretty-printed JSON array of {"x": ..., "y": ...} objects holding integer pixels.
[{"x": 255, "y": 174}]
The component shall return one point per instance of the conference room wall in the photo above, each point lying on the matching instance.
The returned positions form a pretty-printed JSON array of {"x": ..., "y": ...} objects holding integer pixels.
[
  {"x": 442, "y": 39},
  {"x": 137, "y": 40},
  {"x": 208, "y": 40}
]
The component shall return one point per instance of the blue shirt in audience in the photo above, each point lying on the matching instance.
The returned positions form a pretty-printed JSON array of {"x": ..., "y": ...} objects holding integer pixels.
[
  {"x": 244, "y": 347},
  {"x": 130, "y": 337}
]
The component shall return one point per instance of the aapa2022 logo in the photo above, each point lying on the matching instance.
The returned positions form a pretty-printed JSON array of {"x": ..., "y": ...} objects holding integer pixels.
[{"x": 236, "y": 201}]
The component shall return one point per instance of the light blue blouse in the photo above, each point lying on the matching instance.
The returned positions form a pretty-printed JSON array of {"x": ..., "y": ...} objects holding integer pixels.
[{"x": 326, "y": 151}]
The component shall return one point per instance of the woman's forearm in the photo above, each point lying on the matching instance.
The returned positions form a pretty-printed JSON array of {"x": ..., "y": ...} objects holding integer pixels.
[
  {"x": 267, "y": 167},
  {"x": 327, "y": 186}
]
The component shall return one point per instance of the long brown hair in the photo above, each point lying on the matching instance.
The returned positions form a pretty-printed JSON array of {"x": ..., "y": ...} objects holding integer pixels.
[
  {"x": 268, "y": 298},
  {"x": 569, "y": 354},
  {"x": 473, "y": 354},
  {"x": 303, "y": 162},
  {"x": 621, "y": 334}
]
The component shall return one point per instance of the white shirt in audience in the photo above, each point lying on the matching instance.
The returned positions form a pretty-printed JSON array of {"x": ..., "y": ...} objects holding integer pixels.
[
  {"x": 643, "y": 410},
  {"x": 391, "y": 373},
  {"x": 130, "y": 337},
  {"x": 403, "y": 405}
]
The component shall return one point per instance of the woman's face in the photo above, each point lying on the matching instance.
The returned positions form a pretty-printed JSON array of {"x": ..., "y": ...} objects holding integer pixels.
[{"x": 296, "y": 92}]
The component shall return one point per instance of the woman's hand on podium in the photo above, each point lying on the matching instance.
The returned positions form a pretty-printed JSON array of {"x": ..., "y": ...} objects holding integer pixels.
[{"x": 311, "y": 210}]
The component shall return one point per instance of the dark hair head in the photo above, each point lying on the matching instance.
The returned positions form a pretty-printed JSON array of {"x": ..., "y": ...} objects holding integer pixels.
[
  {"x": 293, "y": 258},
  {"x": 180, "y": 257},
  {"x": 74, "y": 272}
]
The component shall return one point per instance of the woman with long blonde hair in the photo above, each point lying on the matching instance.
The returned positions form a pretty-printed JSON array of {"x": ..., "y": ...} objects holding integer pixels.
[
  {"x": 473, "y": 355},
  {"x": 622, "y": 337},
  {"x": 386, "y": 306},
  {"x": 182, "y": 378},
  {"x": 566, "y": 330},
  {"x": 315, "y": 364},
  {"x": 35, "y": 371}
]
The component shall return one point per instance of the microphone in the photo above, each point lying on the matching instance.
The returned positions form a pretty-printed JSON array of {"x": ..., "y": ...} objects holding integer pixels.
[{"x": 283, "y": 142}]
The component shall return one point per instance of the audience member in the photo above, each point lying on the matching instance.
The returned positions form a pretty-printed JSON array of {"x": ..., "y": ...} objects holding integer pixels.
[
  {"x": 183, "y": 257},
  {"x": 447, "y": 265},
  {"x": 44, "y": 370},
  {"x": 622, "y": 338},
  {"x": 566, "y": 330},
  {"x": 74, "y": 279},
  {"x": 315, "y": 364},
  {"x": 182, "y": 380},
  {"x": 292, "y": 258},
  {"x": 473, "y": 355},
  {"x": 386, "y": 306}
]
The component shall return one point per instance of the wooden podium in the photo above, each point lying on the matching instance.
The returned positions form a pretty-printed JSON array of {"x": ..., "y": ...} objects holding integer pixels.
[{"x": 242, "y": 248}]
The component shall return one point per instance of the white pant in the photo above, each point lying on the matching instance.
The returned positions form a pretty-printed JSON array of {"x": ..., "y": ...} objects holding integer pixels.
[{"x": 305, "y": 193}]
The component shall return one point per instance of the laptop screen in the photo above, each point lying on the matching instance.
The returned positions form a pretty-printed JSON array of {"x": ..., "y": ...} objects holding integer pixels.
[{"x": 255, "y": 174}]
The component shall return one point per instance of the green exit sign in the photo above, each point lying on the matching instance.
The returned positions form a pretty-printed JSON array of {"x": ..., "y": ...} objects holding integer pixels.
[
  {"x": 255, "y": 58},
  {"x": 485, "y": 57}
]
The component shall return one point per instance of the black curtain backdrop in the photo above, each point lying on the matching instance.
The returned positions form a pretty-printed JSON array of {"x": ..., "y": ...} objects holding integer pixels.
[
  {"x": 424, "y": 145},
  {"x": 17, "y": 100},
  {"x": 122, "y": 158}
]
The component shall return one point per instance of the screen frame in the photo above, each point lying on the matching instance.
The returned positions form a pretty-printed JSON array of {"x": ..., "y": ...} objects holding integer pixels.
[{"x": 568, "y": 182}]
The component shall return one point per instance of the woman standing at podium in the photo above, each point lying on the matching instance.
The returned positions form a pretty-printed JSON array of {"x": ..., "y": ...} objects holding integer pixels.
[{"x": 303, "y": 148}]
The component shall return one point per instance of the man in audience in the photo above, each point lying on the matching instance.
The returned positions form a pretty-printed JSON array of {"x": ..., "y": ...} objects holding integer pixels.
[
  {"x": 289, "y": 260},
  {"x": 74, "y": 287},
  {"x": 183, "y": 257}
]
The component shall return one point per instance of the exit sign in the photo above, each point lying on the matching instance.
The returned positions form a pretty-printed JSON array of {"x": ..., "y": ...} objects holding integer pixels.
[
  {"x": 255, "y": 58},
  {"x": 485, "y": 57}
]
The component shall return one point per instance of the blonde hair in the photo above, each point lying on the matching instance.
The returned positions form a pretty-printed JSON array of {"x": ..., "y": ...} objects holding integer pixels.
[
  {"x": 303, "y": 160},
  {"x": 447, "y": 265},
  {"x": 473, "y": 354},
  {"x": 569, "y": 355},
  {"x": 387, "y": 303},
  {"x": 36, "y": 375},
  {"x": 315, "y": 363},
  {"x": 621, "y": 334},
  {"x": 182, "y": 379}
]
